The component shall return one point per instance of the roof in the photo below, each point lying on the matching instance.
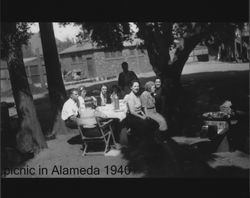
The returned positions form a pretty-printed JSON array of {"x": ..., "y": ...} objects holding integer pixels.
[{"x": 79, "y": 47}]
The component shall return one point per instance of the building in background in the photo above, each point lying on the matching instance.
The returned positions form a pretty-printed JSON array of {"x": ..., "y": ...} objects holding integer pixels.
[{"x": 89, "y": 61}]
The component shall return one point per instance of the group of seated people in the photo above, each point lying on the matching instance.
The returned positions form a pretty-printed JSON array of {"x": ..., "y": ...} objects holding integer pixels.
[
  {"x": 78, "y": 103},
  {"x": 142, "y": 116}
]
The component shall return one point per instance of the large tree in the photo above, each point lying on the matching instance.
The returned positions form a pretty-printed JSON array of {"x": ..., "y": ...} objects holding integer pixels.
[
  {"x": 158, "y": 38},
  {"x": 56, "y": 87},
  {"x": 30, "y": 137}
]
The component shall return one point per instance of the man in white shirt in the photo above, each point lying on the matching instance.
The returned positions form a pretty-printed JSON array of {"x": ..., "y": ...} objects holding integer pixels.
[{"x": 70, "y": 110}]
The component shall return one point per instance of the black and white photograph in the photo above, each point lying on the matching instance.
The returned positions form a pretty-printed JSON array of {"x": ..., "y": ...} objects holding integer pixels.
[{"x": 125, "y": 99}]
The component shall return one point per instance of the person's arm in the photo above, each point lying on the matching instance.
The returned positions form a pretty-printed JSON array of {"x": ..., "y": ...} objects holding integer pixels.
[
  {"x": 121, "y": 81},
  {"x": 73, "y": 118},
  {"x": 95, "y": 100},
  {"x": 144, "y": 103},
  {"x": 100, "y": 114}
]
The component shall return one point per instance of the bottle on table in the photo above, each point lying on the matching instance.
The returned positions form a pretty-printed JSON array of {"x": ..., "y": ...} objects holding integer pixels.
[{"x": 116, "y": 102}]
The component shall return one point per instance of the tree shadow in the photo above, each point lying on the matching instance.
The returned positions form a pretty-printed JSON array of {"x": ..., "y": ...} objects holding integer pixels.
[
  {"x": 173, "y": 160},
  {"x": 231, "y": 171},
  {"x": 75, "y": 140}
]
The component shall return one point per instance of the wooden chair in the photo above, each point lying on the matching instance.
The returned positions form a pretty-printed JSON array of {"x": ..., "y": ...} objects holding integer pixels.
[{"x": 106, "y": 134}]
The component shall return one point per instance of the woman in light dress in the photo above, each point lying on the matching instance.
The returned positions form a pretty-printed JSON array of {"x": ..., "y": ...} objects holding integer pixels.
[
  {"x": 148, "y": 104},
  {"x": 136, "y": 119}
]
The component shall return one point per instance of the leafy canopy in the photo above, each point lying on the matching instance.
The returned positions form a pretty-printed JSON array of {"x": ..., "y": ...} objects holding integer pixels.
[
  {"x": 13, "y": 35},
  {"x": 113, "y": 35}
]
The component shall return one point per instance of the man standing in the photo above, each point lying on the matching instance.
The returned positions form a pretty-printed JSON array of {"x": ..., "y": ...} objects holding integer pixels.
[
  {"x": 125, "y": 78},
  {"x": 70, "y": 110}
]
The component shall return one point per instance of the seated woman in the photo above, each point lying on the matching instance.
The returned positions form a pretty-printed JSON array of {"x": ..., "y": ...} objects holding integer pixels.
[
  {"x": 82, "y": 94},
  {"x": 148, "y": 103},
  {"x": 136, "y": 118},
  {"x": 88, "y": 118},
  {"x": 159, "y": 97}
]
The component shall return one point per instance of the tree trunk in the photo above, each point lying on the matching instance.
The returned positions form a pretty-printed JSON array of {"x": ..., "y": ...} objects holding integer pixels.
[
  {"x": 30, "y": 137},
  {"x": 56, "y": 87},
  {"x": 170, "y": 73}
]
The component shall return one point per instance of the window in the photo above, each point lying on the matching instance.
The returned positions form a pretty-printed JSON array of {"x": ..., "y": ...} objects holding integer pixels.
[
  {"x": 73, "y": 59},
  {"x": 79, "y": 58}
]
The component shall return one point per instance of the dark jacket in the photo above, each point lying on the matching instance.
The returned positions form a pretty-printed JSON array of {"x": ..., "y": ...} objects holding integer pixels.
[
  {"x": 125, "y": 79},
  {"x": 98, "y": 98}
]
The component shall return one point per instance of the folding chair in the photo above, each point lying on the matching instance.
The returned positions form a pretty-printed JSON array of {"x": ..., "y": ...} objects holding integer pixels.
[{"x": 106, "y": 134}]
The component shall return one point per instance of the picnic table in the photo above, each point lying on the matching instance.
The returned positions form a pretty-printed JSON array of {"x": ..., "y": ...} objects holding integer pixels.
[
  {"x": 119, "y": 115},
  {"x": 111, "y": 112}
]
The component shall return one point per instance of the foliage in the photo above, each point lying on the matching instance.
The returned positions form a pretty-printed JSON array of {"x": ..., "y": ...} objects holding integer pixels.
[
  {"x": 109, "y": 35},
  {"x": 114, "y": 34},
  {"x": 62, "y": 45},
  {"x": 159, "y": 39},
  {"x": 13, "y": 34}
]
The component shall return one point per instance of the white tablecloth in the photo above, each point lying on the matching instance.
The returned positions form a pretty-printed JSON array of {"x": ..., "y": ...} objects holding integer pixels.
[{"x": 109, "y": 111}]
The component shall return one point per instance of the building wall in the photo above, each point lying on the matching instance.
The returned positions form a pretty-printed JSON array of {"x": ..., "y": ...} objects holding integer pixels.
[
  {"x": 107, "y": 64},
  {"x": 111, "y": 66},
  {"x": 33, "y": 72},
  {"x": 79, "y": 62}
]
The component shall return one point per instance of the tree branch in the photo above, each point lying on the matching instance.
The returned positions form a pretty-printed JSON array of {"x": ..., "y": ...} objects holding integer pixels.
[{"x": 181, "y": 55}]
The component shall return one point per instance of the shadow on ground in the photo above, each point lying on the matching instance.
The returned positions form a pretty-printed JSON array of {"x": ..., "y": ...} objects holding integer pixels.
[
  {"x": 171, "y": 159},
  {"x": 201, "y": 92}
]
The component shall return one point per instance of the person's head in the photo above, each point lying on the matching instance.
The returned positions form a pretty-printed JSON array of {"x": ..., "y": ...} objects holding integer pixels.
[
  {"x": 157, "y": 83},
  {"x": 150, "y": 86},
  {"x": 82, "y": 91},
  {"x": 125, "y": 66},
  {"x": 89, "y": 102},
  {"x": 135, "y": 86},
  {"x": 115, "y": 89},
  {"x": 104, "y": 89},
  {"x": 74, "y": 94}
]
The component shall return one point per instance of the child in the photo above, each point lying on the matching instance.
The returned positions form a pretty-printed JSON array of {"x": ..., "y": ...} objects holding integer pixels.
[{"x": 88, "y": 117}]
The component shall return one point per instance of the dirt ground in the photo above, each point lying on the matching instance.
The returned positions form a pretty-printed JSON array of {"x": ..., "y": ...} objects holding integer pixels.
[
  {"x": 205, "y": 92},
  {"x": 62, "y": 154}
]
